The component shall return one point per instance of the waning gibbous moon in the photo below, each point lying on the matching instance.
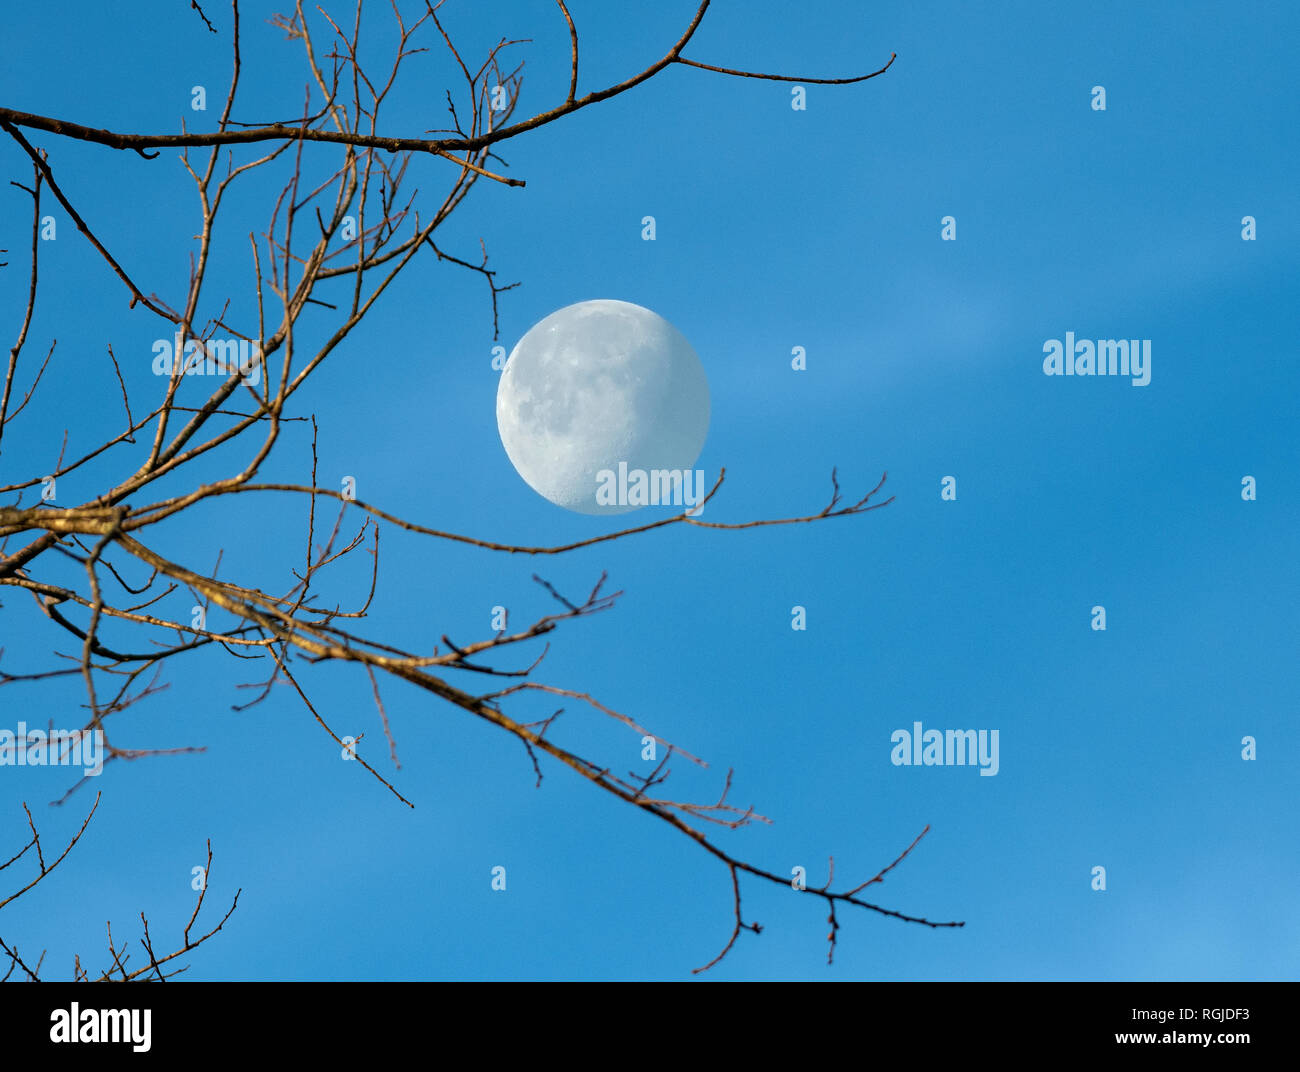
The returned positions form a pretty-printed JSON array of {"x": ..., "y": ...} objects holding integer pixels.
[{"x": 595, "y": 384}]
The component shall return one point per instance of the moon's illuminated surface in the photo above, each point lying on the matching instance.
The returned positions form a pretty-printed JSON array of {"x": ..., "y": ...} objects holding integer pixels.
[{"x": 596, "y": 384}]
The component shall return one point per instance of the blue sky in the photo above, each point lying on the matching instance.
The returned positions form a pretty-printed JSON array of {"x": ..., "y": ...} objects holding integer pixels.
[{"x": 775, "y": 228}]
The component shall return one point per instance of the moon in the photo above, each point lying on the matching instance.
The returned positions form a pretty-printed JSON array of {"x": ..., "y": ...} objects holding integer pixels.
[{"x": 595, "y": 384}]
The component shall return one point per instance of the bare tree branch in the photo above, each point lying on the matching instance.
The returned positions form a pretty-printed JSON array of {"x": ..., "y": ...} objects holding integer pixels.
[{"x": 336, "y": 236}]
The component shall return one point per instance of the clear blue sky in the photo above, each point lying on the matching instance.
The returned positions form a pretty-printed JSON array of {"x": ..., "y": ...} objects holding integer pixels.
[{"x": 776, "y": 229}]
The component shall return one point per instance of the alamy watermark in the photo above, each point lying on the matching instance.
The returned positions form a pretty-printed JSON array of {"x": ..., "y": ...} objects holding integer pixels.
[
  {"x": 945, "y": 748},
  {"x": 1105, "y": 357},
  {"x": 57, "y": 748},
  {"x": 75, "y": 1024},
  {"x": 658, "y": 487},
  {"x": 215, "y": 357}
]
